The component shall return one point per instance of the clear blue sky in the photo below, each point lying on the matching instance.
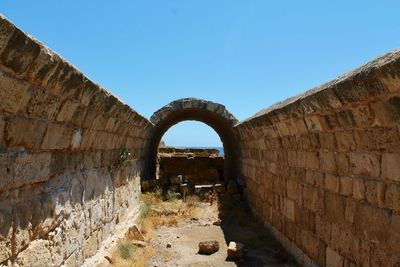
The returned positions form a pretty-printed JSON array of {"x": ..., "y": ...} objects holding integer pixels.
[{"x": 246, "y": 55}]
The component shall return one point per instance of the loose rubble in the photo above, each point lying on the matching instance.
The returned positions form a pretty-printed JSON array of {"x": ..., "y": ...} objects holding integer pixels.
[
  {"x": 208, "y": 247},
  {"x": 235, "y": 251}
]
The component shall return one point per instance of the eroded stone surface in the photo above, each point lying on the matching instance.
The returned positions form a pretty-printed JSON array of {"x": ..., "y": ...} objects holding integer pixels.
[
  {"x": 321, "y": 169},
  {"x": 330, "y": 189},
  {"x": 192, "y": 103},
  {"x": 61, "y": 190}
]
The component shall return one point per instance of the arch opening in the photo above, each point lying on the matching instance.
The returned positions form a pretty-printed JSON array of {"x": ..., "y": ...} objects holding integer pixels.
[
  {"x": 214, "y": 115},
  {"x": 191, "y": 152}
]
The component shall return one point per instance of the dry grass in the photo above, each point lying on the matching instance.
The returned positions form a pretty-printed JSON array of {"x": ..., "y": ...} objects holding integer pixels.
[{"x": 157, "y": 210}]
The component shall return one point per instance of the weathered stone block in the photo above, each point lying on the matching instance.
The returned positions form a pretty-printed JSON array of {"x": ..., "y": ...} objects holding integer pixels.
[
  {"x": 289, "y": 207},
  {"x": 5, "y": 250},
  {"x": 43, "y": 67},
  {"x": 332, "y": 182},
  {"x": 387, "y": 139},
  {"x": 76, "y": 139},
  {"x": 13, "y": 94},
  {"x": 67, "y": 110},
  {"x": 328, "y": 141},
  {"x": 89, "y": 247},
  {"x": 394, "y": 233},
  {"x": 333, "y": 259},
  {"x": 58, "y": 136},
  {"x": 313, "y": 123},
  {"x": 392, "y": 199},
  {"x": 312, "y": 199},
  {"x": 365, "y": 164},
  {"x": 37, "y": 254},
  {"x": 2, "y": 126},
  {"x": 43, "y": 104},
  {"x": 345, "y": 141},
  {"x": 346, "y": 185},
  {"x": 343, "y": 163},
  {"x": 328, "y": 161},
  {"x": 350, "y": 211},
  {"x": 302, "y": 159},
  {"x": 310, "y": 244},
  {"x": 24, "y": 132},
  {"x": 345, "y": 242},
  {"x": 59, "y": 163},
  {"x": 365, "y": 139},
  {"x": 294, "y": 190},
  {"x": 335, "y": 208},
  {"x": 358, "y": 188},
  {"x": 372, "y": 223},
  {"x": 387, "y": 112},
  {"x": 21, "y": 215},
  {"x": 391, "y": 166},
  {"x": 312, "y": 160},
  {"x": 364, "y": 115},
  {"x": 323, "y": 229},
  {"x": 20, "y": 52},
  {"x": 390, "y": 80},
  {"x": 79, "y": 116},
  {"x": 30, "y": 168},
  {"x": 6, "y": 30},
  {"x": 6, "y": 231},
  {"x": 315, "y": 178},
  {"x": 382, "y": 257},
  {"x": 375, "y": 192},
  {"x": 346, "y": 118},
  {"x": 292, "y": 158}
]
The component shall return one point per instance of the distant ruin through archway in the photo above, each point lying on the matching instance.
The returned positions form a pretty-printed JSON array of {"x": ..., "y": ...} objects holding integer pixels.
[{"x": 212, "y": 114}]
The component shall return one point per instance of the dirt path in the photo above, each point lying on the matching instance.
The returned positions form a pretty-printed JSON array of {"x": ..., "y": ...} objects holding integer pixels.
[
  {"x": 172, "y": 230},
  {"x": 178, "y": 246}
]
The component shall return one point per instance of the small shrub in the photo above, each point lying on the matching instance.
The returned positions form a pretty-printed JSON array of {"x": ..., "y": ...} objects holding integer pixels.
[
  {"x": 172, "y": 195},
  {"x": 124, "y": 158},
  {"x": 125, "y": 250}
]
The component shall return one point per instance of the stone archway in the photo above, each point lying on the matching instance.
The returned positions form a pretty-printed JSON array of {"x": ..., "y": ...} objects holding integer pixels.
[{"x": 214, "y": 115}]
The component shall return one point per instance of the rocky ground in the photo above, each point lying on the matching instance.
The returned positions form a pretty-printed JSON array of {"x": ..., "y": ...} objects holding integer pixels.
[
  {"x": 172, "y": 230},
  {"x": 178, "y": 246}
]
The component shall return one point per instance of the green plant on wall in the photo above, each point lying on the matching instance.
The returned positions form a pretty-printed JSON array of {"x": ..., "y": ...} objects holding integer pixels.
[{"x": 124, "y": 158}]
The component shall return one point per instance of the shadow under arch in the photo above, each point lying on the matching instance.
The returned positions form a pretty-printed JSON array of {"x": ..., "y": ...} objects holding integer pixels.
[{"x": 212, "y": 114}]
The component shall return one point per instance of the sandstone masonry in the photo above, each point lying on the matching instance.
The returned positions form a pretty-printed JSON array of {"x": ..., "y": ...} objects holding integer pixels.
[
  {"x": 322, "y": 169},
  {"x": 61, "y": 189}
]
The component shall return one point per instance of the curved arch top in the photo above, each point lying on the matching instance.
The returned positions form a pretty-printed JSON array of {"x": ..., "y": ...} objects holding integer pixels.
[{"x": 190, "y": 104}]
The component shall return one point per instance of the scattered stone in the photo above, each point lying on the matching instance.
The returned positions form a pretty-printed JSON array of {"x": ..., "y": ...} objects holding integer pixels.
[
  {"x": 194, "y": 219},
  {"x": 135, "y": 234},
  {"x": 235, "y": 251},
  {"x": 109, "y": 259},
  {"x": 140, "y": 244},
  {"x": 170, "y": 212},
  {"x": 219, "y": 188},
  {"x": 169, "y": 245},
  {"x": 217, "y": 222},
  {"x": 208, "y": 247}
]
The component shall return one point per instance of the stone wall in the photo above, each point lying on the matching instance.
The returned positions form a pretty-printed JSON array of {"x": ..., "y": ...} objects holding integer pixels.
[
  {"x": 323, "y": 169},
  {"x": 207, "y": 152},
  {"x": 62, "y": 185},
  {"x": 198, "y": 169}
]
